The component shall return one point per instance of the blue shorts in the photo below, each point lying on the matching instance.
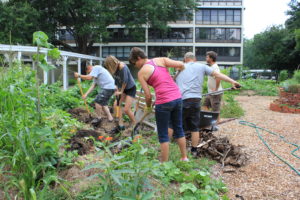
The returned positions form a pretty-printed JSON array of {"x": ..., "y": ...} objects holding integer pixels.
[{"x": 171, "y": 111}]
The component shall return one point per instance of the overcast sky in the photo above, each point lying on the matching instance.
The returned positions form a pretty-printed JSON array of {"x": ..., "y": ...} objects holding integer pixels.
[{"x": 260, "y": 14}]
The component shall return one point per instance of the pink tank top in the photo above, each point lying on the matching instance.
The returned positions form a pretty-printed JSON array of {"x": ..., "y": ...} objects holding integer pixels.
[{"x": 165, "y": 88}]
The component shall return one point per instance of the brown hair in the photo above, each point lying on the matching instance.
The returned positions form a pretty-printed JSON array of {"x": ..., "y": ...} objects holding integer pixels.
[
  {"x": 213, "y": 55},
  {"x": 111, "y": 63},
  {"x": 135, "y": 53}
]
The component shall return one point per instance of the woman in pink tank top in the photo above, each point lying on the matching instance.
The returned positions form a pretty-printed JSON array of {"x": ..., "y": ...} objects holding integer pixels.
[{"x": 168, "y": 104}]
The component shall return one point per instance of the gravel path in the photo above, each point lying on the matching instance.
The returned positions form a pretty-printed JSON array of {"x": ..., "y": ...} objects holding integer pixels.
[{"x": 265, "y": 176}]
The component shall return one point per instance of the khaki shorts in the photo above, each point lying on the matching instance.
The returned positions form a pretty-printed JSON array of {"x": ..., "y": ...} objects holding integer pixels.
[{"x": 213, "y": 102}]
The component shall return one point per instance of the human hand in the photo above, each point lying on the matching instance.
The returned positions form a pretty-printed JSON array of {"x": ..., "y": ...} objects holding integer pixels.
[
  {"x": 84, "y": 96},
  {"x": 235, "y": 85},
  {"x": 117, "y": 93},
  {"x": 147, "y": 109},
  {"x": 76, "y": 75}
]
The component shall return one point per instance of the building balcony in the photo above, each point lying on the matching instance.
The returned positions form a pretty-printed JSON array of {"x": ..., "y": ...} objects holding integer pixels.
[{"x": 220, "y": 2}]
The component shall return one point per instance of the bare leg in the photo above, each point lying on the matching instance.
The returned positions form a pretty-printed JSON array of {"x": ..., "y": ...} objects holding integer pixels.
[
  {"x": 182, "y": 146},
  {"x": 205, "y": 108},
  {"x": 121, "y": 123},
  {"x": 98, "y": 110},
  {"x": 127, "y": 108},
  {"x": 164, "y": 148},
  {"x": 195, "y": 139},
  {"x": 170, "y": 132},
  {"x": 107, "y": 112}
]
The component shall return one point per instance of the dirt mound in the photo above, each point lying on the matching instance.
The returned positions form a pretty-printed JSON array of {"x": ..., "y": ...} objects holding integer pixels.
[
  {"x": 82, "y": 115},
  {"x": 220, "y": 149},
  {"x": 82, "y": 141}
]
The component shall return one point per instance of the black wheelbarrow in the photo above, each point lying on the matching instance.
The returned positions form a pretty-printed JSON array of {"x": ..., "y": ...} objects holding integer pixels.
[{"x": 207, "y": 118}]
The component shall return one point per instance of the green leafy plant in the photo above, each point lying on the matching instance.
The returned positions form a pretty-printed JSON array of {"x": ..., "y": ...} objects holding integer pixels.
[
  {"x": 41, "y": 40},
  {"x": 231, "y": 108},
  {"x": 30, "y": 153},
  {"x": 283, "y": 75}
]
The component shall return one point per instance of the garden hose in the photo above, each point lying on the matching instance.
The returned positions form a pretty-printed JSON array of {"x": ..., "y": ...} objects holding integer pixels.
[{"x": 259, "y": 134}]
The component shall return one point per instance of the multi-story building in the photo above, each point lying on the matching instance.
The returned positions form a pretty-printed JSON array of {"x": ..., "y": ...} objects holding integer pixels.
[{"x": 217, "y": 25}]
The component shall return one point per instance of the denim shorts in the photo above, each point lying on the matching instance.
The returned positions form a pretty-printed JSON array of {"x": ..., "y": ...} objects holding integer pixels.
[
  {"x": 131, "y": 91},
  {"x": 103, "y": 97},
  {"x": 171, "y": 111}
]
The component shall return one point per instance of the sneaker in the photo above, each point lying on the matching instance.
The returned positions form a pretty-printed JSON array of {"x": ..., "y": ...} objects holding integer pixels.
[
  {"x": 117, "y": 129},
  {"x": 215, "y": 128},
  {"x": 96, "y": 122},
  {"x": 184, "y": 159},
  {"x": 194, "y": 154}
]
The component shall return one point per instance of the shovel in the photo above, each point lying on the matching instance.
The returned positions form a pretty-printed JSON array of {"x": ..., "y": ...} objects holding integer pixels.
[
  {"x": 118, "y": 97},
  {"x": 80, "y": 88},
  {"x": 220, "y": 91}
]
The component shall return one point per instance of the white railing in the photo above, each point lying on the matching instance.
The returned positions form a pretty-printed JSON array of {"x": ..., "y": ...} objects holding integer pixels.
[{"x": 17, "y": 52}]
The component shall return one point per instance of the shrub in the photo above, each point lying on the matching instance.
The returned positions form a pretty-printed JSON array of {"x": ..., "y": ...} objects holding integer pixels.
[
  {"x": 296, "y": 76},
  {"x": 283, "y": 75},
  {"x": 231, "y": 108}
]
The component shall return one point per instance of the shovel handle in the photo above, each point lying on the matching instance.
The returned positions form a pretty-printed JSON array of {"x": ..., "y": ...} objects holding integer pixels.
[
  {"x": 220, "y": 91},
  {"x": 80, "y": 88}
]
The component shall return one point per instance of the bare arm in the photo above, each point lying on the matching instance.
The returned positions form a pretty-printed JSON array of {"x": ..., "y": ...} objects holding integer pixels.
[
  {"x": 223, "y": 77},
  {"x": 218, "y": 82},
  {"x": 84, "y": 77},
  {"x": 173, "y": 63},
  {"x": 89, "y": 90},
  {"x": 142, "y": 80}
]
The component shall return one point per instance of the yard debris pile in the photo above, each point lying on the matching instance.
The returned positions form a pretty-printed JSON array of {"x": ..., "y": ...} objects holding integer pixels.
[{"x": 220, "y": 149}]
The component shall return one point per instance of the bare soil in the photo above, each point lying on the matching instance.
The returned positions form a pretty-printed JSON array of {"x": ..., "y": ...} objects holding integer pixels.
[
  {"x": 265, "y": 177},
  {"x": 83, "y": 140}
]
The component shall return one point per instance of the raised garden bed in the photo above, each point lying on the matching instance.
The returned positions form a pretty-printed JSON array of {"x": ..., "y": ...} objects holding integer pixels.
[{"x": 288, "y": 102}]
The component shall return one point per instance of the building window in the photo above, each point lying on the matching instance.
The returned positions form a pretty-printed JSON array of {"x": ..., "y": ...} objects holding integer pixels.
[
  {"x": 226, "y": 35},
  {"x": 65, "y": 35},
  {"x": 125, "y": 35},
  {"x": 218, "y": 16},
  {"x": 225, "y": 54},
  {"x": 186, "y": 17},
  {"x": 173, "y": 35},
  {"x": 176, "y": 53},
  {"x": 121, "y": 53}
]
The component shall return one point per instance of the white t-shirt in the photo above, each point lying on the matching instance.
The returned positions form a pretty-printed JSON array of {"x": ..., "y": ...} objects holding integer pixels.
[
  {"x": 211, "y": 83},
  {"x": 102, "y": 78}
]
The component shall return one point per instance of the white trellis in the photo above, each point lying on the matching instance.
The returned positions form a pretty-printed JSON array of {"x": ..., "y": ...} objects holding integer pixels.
[{"x": 18, "y": 52}]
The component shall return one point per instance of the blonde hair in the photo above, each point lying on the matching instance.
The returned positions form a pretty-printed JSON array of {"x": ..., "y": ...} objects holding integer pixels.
[{"x": 111, "y": 63}]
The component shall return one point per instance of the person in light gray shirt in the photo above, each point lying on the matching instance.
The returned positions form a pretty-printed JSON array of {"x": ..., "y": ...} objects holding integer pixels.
[
  {"x": 105, "y": 82},
  {"x": 190, "y": 82}
]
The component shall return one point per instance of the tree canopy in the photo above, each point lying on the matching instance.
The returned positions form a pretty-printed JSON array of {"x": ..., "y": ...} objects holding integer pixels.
[{"x": 87, "y": 20}]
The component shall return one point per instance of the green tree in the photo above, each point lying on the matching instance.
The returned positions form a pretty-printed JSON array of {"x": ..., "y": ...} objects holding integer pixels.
[
  {"x": 87, "y": 20},
  {"x": 18, "y": 21},
  {"x": 293, "y": 22}
]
